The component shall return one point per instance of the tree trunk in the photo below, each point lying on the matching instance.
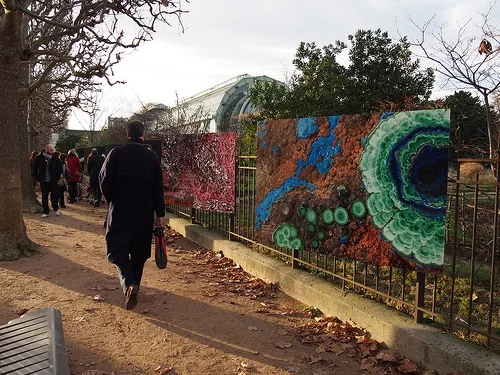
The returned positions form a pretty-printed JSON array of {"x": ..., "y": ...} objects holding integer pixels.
[
  {"x": 493, "y": 149},
  {"x": 489, "y": 124},
  {"x": 30, "y": 203},
  {"x": 13, "y": 239}
]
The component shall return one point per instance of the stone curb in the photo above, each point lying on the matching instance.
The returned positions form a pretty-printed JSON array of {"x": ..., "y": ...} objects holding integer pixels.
[{"x": 430, "y": 347}]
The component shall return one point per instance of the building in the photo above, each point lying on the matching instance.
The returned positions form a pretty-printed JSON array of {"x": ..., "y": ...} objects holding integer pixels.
[{"x": 220, "y": 107}]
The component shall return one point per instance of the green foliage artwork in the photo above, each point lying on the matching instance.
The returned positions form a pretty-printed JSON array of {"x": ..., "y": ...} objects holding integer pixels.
[{"x": 369, "y": 187}]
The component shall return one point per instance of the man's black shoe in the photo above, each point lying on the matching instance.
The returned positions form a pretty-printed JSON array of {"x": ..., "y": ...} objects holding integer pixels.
[{"x": 131, "y": 296}]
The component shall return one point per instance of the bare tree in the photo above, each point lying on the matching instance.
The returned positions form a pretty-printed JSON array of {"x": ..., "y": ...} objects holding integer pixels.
[
  {"x": 468, "y": 60},
  {"x": 93, "y": 114},
  {"x": 67, "y": 44},
  {"x": 162, "y": 121}
]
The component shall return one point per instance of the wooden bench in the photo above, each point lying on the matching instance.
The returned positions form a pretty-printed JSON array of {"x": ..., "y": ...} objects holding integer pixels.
[{"x": 34, "y": 344}]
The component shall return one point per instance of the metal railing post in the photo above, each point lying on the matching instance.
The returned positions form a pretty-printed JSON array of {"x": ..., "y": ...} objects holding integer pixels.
[
  {"x": 295, "y": 262},
  {"x": 419, "y": 297}
]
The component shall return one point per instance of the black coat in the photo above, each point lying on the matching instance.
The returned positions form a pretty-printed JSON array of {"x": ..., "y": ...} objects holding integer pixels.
[
  {"x": 40, "y": 166},
  {"x": 131, "y": 181},
  {"x": 94, "y": 166}
]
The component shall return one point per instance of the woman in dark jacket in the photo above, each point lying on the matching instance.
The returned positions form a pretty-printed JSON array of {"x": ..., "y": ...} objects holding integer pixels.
[
  {"x": 94, "y": 165},
  {"x": 62, "y": 181},
  {"x": 48, "y": 169}
]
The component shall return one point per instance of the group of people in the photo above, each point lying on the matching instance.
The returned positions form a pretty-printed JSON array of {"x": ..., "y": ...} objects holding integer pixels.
[
  {"x": 130, "y": 180},
  {"x": 56, "y": 173}
]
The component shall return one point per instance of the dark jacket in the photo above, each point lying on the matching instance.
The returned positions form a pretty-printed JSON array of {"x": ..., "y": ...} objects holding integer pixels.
[
  {"x": 40, "y": 166},
  {"x": 94, "y": 165},
  {"x": 131, "y": 181}
]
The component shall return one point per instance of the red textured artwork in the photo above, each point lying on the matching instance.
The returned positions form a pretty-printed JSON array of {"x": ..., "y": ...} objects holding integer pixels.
[{"x": 198, "y": 170}]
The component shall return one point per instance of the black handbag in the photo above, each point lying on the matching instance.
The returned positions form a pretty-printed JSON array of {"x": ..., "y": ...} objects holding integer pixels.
[{"x": 160, "y": 248}]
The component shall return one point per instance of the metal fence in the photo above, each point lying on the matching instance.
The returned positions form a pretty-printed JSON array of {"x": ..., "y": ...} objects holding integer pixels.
[{"x": 464, "y": 299}]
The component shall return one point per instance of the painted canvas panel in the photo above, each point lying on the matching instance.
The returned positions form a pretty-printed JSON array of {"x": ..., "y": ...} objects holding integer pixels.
[
  {"x": 199, "y": 170},
  {"x": 369, "y": 187}
]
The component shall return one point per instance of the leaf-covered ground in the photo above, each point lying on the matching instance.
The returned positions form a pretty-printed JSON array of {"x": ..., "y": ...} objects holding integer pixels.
[{"x": 201, "y": 315}]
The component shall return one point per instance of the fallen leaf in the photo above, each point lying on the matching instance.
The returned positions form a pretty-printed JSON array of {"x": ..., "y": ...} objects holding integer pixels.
[
  {"x": 283, "y": 345},
  {"x": 387, "y": 356},
  {"x": 363, "y": 338},
  {"x": 263, "y": 311},
  {"x": 311, "y": 360},
  {"x": 320, "y": 349},
  {"x": 282, "y": 332},
  {"x": 244, "y": 365},
  {"x": 368, "y": 363},
  {"x": 408, "y": 367}
]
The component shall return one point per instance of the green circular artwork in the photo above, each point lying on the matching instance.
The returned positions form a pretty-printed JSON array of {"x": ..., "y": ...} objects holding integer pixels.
[
  {"x": 341, "y": 216},
  {"x": 286, "y": 236},
  {"x": 358, "y": 209},
  {"x": 404, "y": 170},
  {"x": 311, "y": 216},
  {"x": 328, "y": 216}
]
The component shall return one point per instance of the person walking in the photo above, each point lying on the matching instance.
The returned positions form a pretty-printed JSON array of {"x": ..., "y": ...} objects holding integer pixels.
[
  {"x": 132, "y": 184},
  {"x": 62, "y": 186},
  {"x": 94, "y": 165},
  {"x": 48, "y": 169},
  {"x": 75, "y": 174}
]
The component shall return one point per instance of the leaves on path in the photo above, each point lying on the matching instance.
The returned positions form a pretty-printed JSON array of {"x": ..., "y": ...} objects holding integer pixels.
[{"x": 330, "y": 334}]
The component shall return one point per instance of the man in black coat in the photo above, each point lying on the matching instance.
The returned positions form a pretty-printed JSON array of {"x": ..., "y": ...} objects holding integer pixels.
[
  {"x": 47, "y": 169},
  {"x": 131, "y": 181},
  {"x": 94, "y": 165}
]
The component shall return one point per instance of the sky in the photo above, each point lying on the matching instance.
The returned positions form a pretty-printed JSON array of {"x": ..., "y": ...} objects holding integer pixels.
[{"x": 223, "y": 39}]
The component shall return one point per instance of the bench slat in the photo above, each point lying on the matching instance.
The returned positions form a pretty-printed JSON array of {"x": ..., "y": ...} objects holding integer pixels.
[{"x": 34, "y": 344}]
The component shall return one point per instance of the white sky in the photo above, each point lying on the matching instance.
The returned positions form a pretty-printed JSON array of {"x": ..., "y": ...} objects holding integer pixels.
[{"x": 226, "y": 38}]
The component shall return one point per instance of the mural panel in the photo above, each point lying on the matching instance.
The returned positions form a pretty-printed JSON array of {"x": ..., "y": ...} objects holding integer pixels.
[
  {"x": 199, "y": 170},
  {"x": 369, "y": 187}
]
